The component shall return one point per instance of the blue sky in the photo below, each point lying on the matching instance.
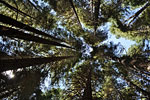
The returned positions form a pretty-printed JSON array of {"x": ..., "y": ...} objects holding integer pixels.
[{"x": 125, "y": 43}]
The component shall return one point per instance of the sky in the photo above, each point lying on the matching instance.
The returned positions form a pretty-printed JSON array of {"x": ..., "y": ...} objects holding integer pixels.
[
  {"x": 112, "y": 38},
  {"x": 125, "y": 43}
]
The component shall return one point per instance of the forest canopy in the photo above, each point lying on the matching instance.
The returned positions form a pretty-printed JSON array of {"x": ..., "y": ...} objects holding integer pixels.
[{"x": 60, "y": 50}]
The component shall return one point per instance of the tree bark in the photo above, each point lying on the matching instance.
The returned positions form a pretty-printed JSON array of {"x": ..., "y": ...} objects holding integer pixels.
[
  {"x": 87, "y": 95},
  {"x": 74, "y": 10},
  {"x": 14, "y": 33},
  {"x": 96, "y": 14},
  {"x": 13, "y": 64},
  {"x": 138, "y": 13},
  {"x": 10, "y": 21},
  {"x": 14, "y": 9}
]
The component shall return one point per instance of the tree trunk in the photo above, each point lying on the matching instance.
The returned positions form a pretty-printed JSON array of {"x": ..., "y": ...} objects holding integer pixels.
[
  {"x": 14, "y": 9},
  {"x": 74, "y": 10},
  {"x": 92, "y": 5},
  {"x": 14, "y": 33},
  {"x": 13, "y": 64},
  {"x": 10, "y": 21},
  {"x": 96, "y": 14},
  {"x": 138, "y": 13},
  {"x": 87, "y": 95}
]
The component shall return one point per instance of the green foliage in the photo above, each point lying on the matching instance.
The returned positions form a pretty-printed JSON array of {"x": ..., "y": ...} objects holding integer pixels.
[
  {"x": 98, "y": 69},
  {"x": 53, "y": 94}
]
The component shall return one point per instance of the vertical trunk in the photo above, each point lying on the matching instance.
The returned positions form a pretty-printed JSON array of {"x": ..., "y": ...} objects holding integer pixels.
[
  {"x": 73, "y": 7},
  {"x": 96, "y": 14},
  {"x": 14, "y": 33},
  {"x": 10, "y": 21},
  {"x": 87, "y": 95},
  {"x": 92, "y": 5},
  {"x": 13, "y": 64}
]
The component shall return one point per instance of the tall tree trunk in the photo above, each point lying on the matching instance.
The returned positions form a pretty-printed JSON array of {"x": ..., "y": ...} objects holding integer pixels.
[
  {"x": 96, "y": 14},
  {"x": 138, "y": 13},
  {"x": 10, "y": 21},
  {"x": 14, "y": 33},
  {"x": 13, "y": 64},
  {"x": 14, "y": 9},
  {"x": 74, "y": 10},
  {"x": 92, "y": 5},
  {"x": 87, "y": 95}
]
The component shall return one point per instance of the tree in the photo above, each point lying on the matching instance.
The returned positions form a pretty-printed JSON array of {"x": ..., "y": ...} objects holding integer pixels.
[
  {"x": 33, "y": 32},
  {"x": 14, "y": 33},
  {"x": 10, "y": 64},
  {"x": 134, "y": 28}
]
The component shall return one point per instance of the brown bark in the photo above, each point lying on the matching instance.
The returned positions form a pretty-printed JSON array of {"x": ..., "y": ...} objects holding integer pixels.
[
  {"x": 10, "y": 21},
  {"x": 14, "y": 33},
  {"x": 13, "y": 64}
]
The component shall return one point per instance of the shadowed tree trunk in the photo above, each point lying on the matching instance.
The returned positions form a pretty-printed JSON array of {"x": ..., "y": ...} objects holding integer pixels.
[
  {"x": 10, "y": 21},
  {"x": 87, "y": 95},
  {"x": 74, "y": 10},
  {"x": 15, "y": 63},
  {"x": 138, "y": 13},
  {"x": 14, "y": 9},
  {"x": 14, "y": 33},
  {"x": 96, "y": 14},
  {"x": 92, "y": 5}
]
